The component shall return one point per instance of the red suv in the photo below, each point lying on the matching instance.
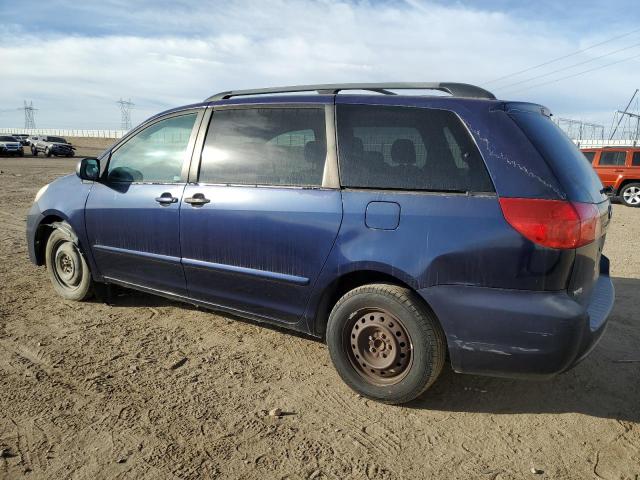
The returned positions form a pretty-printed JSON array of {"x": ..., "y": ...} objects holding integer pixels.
[{"x": 619, "y": 168}]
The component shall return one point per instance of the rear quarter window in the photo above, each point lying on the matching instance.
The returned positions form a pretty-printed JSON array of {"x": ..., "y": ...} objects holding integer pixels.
[
  {"x": 577, "y": 177},
  {"x": 408, "y": 148}
]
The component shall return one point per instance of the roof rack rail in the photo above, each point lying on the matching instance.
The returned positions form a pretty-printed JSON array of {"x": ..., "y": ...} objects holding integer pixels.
[{"x": 455, "y": 89}]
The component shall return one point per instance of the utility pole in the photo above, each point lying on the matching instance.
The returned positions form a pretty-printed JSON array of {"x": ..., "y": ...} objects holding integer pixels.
[
  {"x": 29, "y": 115},
  {"x": 613, "y": 132},
  {"x": 637, "y": 117},
  {"x": 125, "y": 109},
  {"x": 584, "y": 130}
]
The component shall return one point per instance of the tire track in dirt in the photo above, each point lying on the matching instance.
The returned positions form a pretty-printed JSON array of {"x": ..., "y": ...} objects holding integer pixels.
[{"x": 372, "y": 434}]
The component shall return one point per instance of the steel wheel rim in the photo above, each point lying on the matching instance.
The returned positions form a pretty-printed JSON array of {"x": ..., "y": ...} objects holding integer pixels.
[
  {"x": 632, "y": 195},
  {"x": 67, "y": 267},
  {"x": 378, "y": 346}
]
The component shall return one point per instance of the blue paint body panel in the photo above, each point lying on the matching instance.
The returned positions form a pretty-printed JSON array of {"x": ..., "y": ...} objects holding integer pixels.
[
  {"x": 133, "y": 237},
  {"x": 507, "y": 306},
  {"x": 273, "y": 243}
]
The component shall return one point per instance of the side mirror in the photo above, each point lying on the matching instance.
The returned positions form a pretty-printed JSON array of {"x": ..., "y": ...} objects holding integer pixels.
[{"x": 88, "y": 169}]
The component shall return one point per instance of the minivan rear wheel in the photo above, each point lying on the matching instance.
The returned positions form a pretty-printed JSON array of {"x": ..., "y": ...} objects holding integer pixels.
[
  {"x": 630, "y": 195},
  {"x": 385, "y": 343},
  {"x": 67, "y": 268}
]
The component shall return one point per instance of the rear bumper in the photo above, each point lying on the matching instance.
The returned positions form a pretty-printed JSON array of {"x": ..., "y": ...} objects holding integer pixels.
[{"x": 515, "y": 333}]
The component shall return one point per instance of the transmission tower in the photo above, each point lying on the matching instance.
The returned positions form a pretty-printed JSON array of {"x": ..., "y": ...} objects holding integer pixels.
[
  {"x": 579, "y": 130},
  {"x": 29, "y": 115},
  {"x": 626, "y": 123},
  {"x": 125, "y": 109}
]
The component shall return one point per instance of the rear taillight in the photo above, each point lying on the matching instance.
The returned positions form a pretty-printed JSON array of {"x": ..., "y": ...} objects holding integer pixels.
[{"x": 553, "y": 223}]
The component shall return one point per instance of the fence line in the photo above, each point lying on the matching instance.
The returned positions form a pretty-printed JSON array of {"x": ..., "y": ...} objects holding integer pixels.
[
  {"x": 606, "y": 143},
  {"x": 120, "y": 133},
  {"x": 69, "y": 132}
]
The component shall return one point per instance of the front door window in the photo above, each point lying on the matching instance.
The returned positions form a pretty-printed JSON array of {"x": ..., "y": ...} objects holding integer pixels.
[{"x": 155, "y": 155}]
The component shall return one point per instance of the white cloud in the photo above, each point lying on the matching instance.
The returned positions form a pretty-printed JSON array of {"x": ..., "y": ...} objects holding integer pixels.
[{"x": 75, "y": 80}]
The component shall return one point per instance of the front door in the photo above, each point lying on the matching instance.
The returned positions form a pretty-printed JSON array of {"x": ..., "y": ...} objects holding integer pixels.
[
  {"x": 132, "y": 215},
  {"x": 260, "y": 222}
]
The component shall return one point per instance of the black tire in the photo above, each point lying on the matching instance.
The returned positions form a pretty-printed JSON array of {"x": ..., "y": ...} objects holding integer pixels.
[
  {"x": 630, "y": 195},
  {"x": 34, "y": 152},
  {"x": 417, "y": 347},
  {"x": 47, "y": 152},
  {"x": 21, "y": 154},
  {"x": 67, "y": 268}
]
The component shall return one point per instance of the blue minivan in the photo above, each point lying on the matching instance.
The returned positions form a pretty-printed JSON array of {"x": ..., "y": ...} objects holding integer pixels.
[{"x": 405, "y": 230}]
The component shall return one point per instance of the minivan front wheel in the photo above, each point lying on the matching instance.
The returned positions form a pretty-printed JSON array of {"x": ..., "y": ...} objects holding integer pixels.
[
  {"x": 67, "y": 268},
  {"x": 385, "y": 343},
  {"x": 630, "y": 195}
]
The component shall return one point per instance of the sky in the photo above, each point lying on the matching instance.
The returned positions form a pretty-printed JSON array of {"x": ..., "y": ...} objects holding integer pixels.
[{"x": 75, "y": 58}]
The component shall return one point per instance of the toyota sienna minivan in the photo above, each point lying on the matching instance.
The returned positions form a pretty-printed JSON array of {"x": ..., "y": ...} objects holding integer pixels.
[{"x": 404, "y": 230}]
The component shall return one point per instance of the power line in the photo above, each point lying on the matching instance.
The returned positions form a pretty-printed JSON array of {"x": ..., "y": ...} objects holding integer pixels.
[
  {"x": 575, "y": 74},
  {"x": 562, "y": 57},
  {"x": 526, "y": 80}
]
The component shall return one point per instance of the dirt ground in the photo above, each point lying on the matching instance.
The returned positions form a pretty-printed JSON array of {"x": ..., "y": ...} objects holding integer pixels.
[{"x": 147, "y": 388}]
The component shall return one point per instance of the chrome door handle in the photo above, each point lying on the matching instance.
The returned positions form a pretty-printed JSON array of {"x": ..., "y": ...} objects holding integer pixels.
[
  {"x": 197, "y": 200},
  {"x": 166, "y": 199}
]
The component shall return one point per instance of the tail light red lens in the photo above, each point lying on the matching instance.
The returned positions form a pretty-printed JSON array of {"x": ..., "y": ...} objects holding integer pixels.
[{"x": 553, "y": 223}]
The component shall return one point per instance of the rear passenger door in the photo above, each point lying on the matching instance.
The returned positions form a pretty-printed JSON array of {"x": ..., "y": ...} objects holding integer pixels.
[
  {"x": 261, "y": 216},
  {"x": 611, "y": 166}
]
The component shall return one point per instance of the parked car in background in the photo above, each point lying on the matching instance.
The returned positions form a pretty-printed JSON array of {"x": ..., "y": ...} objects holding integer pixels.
[
  {"x": 10, "y": 145},
  {"x": 52, "y": 146},
  {"x": 31, "y": 139},
  {"x": 21, "y": 138},
  {"x": 402, "y": 229},
  {"x": 618, "y": 168}
]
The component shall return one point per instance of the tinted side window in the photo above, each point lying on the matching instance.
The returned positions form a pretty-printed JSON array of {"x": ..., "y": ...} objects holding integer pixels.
[
  {"x": 612, "y": 158},
  {"x": 635, "y": 161},
  {"x": 589, "y": 156},
  {"x": 155, "y": 154},
  {"x": 407, "y": 148},
  {"x": 265, "y": 146}
]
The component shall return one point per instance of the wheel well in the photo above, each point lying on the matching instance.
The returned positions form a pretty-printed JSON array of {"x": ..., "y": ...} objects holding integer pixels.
[
  {"x": 42, "y": 235},
  {"x": 625, "y": 183},
  {"x": 344, "y": 284}
]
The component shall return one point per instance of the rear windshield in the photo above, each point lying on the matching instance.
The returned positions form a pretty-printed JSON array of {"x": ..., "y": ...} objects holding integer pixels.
[
  {"x": 577, "y": 177},
  {"x": 408, "y": 148},
  {"x": 7, "y": 139}
]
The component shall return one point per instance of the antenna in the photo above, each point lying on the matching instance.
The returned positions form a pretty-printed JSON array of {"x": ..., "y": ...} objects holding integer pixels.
[
  {"x": 125, "y": 109},
  {"x": 29, "y": 115}
]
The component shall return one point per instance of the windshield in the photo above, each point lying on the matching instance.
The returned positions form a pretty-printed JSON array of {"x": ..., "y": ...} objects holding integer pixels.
[
  {"x": 56, "y": 139},
  {"x": 7, "y": 139}
]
